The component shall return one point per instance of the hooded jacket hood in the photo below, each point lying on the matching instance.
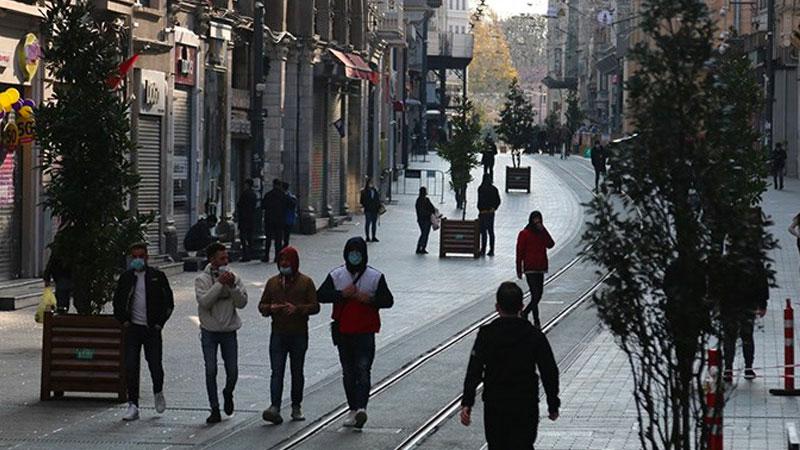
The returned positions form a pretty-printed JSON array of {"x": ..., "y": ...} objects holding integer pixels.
[
  {"x": 294, "y": 259},
  {"x": 358, "y": 244}
]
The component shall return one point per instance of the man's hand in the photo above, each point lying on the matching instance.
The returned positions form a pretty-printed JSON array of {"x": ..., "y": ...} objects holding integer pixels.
[
  {"x": 363, "y": 297},
  {"x": 466, "y": 416},
  {"x": 227, "y": 278},
  {"x": 553, "y": 416},
  {"x": 289, "y": 309},
  {"x": 349, "y": 291},
  {"x": 157, "y": 327},
  {"x": 761, "y": 312}
]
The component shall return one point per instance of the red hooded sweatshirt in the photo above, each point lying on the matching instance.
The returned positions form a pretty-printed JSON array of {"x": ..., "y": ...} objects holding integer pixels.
[{"x": 532, "y": 250}]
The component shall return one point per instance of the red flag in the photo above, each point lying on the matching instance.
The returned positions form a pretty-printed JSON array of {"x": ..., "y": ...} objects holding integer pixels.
[{"x": 114, "y": 80}]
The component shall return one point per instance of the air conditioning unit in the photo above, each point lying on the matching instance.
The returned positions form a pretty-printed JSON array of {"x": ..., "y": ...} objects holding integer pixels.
[{"x": 185, "y": 66}]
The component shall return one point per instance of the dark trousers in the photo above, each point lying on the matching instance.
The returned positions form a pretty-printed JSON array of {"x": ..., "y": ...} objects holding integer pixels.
[
  {"x": 227, "y": 343},
  {"x": 777, "y": 177},
  {"x": 424, "y": 233},
  {"x": 281, "y": 346},
  {"x": 510, "y": 427},
  {"x": 488, "y": 169},
  {"x": 371, "y": 223},
  {"x": 63, "y": 293},
  {"x": 274, "y": 233},
  {"x": 598, "y": 172},
  {"x": 536, "y": 286},
  {"x": 356, "y": 353},
  {"x": 139, "y": 336},
  {"x": 287, "y": 233},
  {"x": 246, "y": 238},
  {"x": 733, "y": 329},
  {"x": 487, "y": 230}
]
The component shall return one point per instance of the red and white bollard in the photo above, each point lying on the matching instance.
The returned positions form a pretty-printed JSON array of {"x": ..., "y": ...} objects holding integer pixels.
[
  {"x": 714, "y": 402},
  {"x": 788, "y": 369}
]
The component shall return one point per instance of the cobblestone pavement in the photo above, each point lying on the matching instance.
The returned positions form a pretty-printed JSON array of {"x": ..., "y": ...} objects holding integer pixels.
[{"x": 428, "y": 290}]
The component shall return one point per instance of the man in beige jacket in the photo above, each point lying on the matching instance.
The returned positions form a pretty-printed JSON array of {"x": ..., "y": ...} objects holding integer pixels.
[{"x": 219, "y": 294}]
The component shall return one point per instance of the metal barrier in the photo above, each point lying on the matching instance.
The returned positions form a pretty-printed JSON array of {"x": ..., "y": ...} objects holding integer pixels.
[{"x": 433, "y": 180}]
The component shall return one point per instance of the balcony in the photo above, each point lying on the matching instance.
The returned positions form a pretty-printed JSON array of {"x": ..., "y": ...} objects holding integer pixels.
[
  {"x": 451, "y": 45},
  {"x": 390, "y": 21}
]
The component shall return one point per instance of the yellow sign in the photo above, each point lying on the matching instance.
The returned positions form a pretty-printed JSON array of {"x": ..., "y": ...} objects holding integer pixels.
[
  {"x": 27, "y": 130},
  {"x": 30, "y": 53},
  {"x": 9, "y": 138}
]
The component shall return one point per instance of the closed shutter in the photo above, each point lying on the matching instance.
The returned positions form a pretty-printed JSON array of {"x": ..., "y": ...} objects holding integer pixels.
[
  {"x": 9, "y": 217},
  {"x": 335, "y": 153},
  {"x": 319, "y": 135},
  {"x": 149, "y": 167},
  {"x": 182, "y": 109}
]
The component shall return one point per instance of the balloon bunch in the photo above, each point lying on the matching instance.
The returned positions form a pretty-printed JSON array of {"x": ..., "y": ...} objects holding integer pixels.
[{"x": 10, "y": 100}]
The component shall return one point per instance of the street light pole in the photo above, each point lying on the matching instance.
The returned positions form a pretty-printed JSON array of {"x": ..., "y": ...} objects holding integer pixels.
[
  {"x": 257, "y": 114},
  {"x": 770, "y": 66}
]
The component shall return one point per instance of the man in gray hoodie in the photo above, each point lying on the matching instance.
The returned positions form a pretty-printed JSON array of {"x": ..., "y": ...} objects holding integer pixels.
[{"x": 219, "y": 294}]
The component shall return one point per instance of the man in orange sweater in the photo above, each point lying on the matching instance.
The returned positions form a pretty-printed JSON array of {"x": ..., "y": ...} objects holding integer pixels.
[
  {"x": 289, "y": 298},
  {"x": 532, "y": 244}
]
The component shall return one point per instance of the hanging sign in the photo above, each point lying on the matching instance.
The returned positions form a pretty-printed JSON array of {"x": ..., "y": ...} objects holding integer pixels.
[
  {"x": 30, "y": 53},
  {"x": 9, "y": 138},
  {"x": 27, "y": 130}
]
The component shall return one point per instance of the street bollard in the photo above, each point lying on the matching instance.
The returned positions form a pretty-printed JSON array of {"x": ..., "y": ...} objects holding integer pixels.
[
  {"x": 788, "y": 368},
  {"x": 714, "y": 402}
]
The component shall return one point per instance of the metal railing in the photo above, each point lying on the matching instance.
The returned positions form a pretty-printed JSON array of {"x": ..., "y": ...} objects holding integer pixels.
[{"x": 433, "y": 180}]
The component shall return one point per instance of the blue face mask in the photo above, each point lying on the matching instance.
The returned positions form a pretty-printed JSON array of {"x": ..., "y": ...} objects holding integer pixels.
[
  {"x": 355, "y": 258},
  {"x": 137, "y": 264}
]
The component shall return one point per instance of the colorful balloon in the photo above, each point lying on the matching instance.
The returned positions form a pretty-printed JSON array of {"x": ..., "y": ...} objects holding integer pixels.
[
  {"x": 5, "y": 102},
  {"x": 16, "y": 106},
  {"x": 26, "y": 112},
  {"x": 29, "y": 102},
  {"x": 13, "y": 95}
]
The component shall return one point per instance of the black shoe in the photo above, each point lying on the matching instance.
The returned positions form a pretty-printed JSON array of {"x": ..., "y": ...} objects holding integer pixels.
[
  {"x": 244, "y": 260},
  {"x": 214, "y": 417},
  {"x": 491, "y": 253},
  {"x": 375, "y": 239},
  {"x": 728, "y": 376},
  {"x": 228, "y": 403},
  {"x": 749, "y": 374},
  {"x": 265, "y": 259},
  {"x": 424, "y": 252}
]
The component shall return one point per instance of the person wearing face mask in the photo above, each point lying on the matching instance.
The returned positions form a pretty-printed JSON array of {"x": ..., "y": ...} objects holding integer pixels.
[
  {"x": 289, "y": 298},
  {"x": 532, "y": 244},
  {"x": 219, "y": 294},
  {"x": 143, "y": 303},
  {"x": 357, "y": 292}
]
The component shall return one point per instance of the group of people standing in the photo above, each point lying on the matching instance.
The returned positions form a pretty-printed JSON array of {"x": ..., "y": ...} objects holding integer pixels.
[{"x": 280, "y": 215}]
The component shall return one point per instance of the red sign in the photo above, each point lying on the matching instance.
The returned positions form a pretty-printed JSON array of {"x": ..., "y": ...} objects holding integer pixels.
[
  {"x": 7, "y": 181},
  {"x": 185, "y": 70}
]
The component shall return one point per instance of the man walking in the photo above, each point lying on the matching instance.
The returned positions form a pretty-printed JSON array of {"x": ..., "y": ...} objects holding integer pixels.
[
  {"x": 246, "y": 213},
  {"x": 778, "y": 165},
  {"x": 599, "y": 163},
  {"x": 219, "y": 294},
  {"x": 291, "y": 214},
  {"x": 489, "y": 152},
  {"x": 357, "y": 292},
  {"x": 532, "y": 244},
  {"x": 488, "y": 202},
  {"x": 289, "y": 298},
  {"x": 274, "y": 206},
  {"x": 143, "y": 303},
  {"x": 371, "y": 202},
  {"x": 506, "y": 356}
]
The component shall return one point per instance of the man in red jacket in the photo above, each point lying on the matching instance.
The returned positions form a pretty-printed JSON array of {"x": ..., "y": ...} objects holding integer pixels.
[{"x": 532, "y": 244}]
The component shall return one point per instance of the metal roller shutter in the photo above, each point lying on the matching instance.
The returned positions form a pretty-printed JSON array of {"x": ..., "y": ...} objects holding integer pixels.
[
  {"x": 9, "y": 218},
  {"x": 182, "y": 174},
  {"x": 149, "y": 167}
]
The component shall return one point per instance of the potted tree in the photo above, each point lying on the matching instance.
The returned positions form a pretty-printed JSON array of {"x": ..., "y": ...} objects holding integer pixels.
[
  {"x": 461, "y": 151},
  {"x": 84, "y": 136},
  {"x": 517, "y": 129},
  {"x": 574, "y": 117}
]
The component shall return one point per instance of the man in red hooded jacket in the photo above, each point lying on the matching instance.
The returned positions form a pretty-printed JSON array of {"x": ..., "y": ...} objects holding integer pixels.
[{"x": 532, "y": 244}]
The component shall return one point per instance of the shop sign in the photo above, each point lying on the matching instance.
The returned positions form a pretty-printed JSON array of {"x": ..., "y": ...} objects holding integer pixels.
[
  {"x": 180, "y": 170},
  {"x": 153, "y": 92},
  {"x": 185, "y": 70},
  {"x": 30, "y": 53},
  {"x": 27, "y": 130},
  {"x": 9, "y": 138}
]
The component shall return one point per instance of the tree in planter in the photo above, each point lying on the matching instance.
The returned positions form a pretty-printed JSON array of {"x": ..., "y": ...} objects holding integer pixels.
[
  {"x": 674, "y": 241},
  {"x": 516, "y": 125},
  {"x": 462, "y": 150},
  {"x": 574, "y": 117},
  {"x": 84, "y": 136}
]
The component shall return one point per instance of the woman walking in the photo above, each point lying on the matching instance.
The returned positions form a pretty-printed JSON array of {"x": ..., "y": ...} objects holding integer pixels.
[
  {"x": 425, "y": 211},
  {"x": 532, "y": 244}
]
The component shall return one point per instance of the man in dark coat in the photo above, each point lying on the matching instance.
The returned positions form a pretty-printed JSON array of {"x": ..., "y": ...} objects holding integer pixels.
[
  {"x": 274, "y": 206},
  {"x": 199, "y": 235},
  {"x": 371, "y": 202},
  {"x": 488, "y": 202},
  {"x": 246, "y": 213},
  {"x": 778, "y": 165},
  {"x": 506, "y": 356},
  {"x": 599, "y": 163},
  {"x": 488, "y": 154}
]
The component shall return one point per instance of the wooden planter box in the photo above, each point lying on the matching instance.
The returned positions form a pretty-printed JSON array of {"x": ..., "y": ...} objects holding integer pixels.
[
  {"x": 461, "y": 237},
  {"x": 518, "y": 178},
  {"x": 82, "y": 354}
]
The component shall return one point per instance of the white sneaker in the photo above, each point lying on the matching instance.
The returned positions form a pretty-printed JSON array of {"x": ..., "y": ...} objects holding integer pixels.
[
  {"x": 132, "y": 413},
  {"x": 350, "y": 421},
  {"x": 161, "y": 402},
  {"x": 361, "y": 418}
]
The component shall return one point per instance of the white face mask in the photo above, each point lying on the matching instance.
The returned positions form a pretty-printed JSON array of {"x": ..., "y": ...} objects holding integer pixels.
[
  {"x": 286, "y": 271},
  {"x": 223, "y": 269}
]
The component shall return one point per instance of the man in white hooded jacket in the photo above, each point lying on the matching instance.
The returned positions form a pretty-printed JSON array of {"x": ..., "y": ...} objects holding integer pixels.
[{"x": 219, "y": 294}]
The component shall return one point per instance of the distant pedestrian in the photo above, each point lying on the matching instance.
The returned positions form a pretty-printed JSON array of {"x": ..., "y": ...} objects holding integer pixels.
[
  {"x": 425, "y": 212},
  {"x": 488, "y": 202},
  {"x": 371, "y": 202},
  {"x": 357, "y": 292},
  {"x": 58, "y": 272},
  {"x": 199, "y": 235},
  {"x": 532, "y": 244},
  {"x": 219, "y": 294},
  {"x": 505, "y": 358},
  {"x": 143, "y": 303},
  {"x": 291, "y": 214},
  {"x": 488, "y": 155},
  {"x": 274, "y": 205},
  {"x": 289, "y": 298},
  {"x": 794, "y": 229},
  {"x": 246, "y": 214},
  {"x": 599, "y": 163},
  {"x": 778, "y": 165}
]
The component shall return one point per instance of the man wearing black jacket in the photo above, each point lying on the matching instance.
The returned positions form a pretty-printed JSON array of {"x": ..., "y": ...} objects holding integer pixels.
[
  {"x": 505, "y": 357},
  {"x": 488, "y": 202},
  {"x": 274, "y": 205},
  {"x": 143, "y": 303}
]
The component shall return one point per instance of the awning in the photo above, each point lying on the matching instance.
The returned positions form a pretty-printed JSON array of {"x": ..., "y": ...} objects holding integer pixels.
[{"x": 355, "y": 67}]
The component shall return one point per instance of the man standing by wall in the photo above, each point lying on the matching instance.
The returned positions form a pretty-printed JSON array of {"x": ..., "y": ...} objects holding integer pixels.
[
  {"x": 274, "y": 206},
  {"x": 246, "y": 214}
]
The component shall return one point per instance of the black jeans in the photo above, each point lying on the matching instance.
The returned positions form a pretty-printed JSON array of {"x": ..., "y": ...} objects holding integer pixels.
[
  {"x": 227, "y": 343},
  {"x": 488, "y": 169},
  {"x": 777, "y": 177},
  {"x": 733, "y": 329},
  {"x": 536, "y": 286},
  {"x": 598, "y": 172},
  {"x": 246, "y": 238},
  {"x": 370, "y": 223},
  {"x": 510, "y": 427},
  {"x": 424, "y": 233},
  {"x": 487, "y": 229},
  {"x": 287, "y": 232},
  {"x": 139, "y": 336},
  {"x": 274, "y": 233},
  {"x": 63, "y": 293},
  {"x": 281, "y": 346},
  {"x": 356, "y": 353}
]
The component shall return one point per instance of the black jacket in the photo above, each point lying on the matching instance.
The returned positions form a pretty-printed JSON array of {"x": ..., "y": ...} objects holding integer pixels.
[
  {"x": 159, "y": 297},
  {"x": 424, "y": 209},
  {"x": 599, "y": 157},
  {"x": 274, "y": 205},
  {"x": 370, "y": 200},
  {"x": 487, "y": 158},
  {"x": 198, "y": 237},
  {"x": 488, "y": 197},
  {"x": 246, "y": 209},
  {"x": 505, "y": 357},
  {"x": 778, "y": 158}
]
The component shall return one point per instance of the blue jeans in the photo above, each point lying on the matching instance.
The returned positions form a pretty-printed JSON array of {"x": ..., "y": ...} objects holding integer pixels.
[
  {"x": 226, "y": 341},
  {"x": 370, "y": 223},
  {"x": 294, "y": 346},
  {"x": 356, "y": 353}
]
